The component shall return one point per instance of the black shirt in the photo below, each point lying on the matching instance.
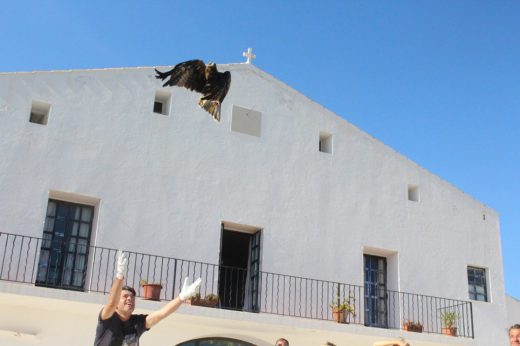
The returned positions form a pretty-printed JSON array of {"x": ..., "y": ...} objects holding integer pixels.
[{"x": 115, "y": 332}]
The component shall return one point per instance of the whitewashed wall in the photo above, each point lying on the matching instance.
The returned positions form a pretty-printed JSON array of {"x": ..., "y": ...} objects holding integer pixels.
[
  {"x": 513, "y": 311},
  {"x": 178, "y": 177}
]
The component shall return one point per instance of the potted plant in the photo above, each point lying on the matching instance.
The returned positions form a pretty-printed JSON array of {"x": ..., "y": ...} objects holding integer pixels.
[
  {"x": 151, "y": 291},
  {"x": 342, "y": 310},
  {"x": 412, "y": 326},
  {"x": 210, "y": 300},
  {"x": 448, "y": 319}
]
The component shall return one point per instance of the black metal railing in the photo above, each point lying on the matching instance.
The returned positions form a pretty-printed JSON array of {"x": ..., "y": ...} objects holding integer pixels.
[{"x": 64, "y": 265}]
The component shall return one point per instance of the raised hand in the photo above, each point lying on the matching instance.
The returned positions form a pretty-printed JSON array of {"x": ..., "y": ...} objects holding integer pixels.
[
  {"x": 122, "y": 264},
  {"x": 188, "y": 290}
]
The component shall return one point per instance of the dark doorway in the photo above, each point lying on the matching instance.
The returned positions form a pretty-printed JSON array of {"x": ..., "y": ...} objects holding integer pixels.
[
  {"x": 65, "y": 245},
  {"x": 375, "y": 291},
  {"x": 239, "y": 268}
]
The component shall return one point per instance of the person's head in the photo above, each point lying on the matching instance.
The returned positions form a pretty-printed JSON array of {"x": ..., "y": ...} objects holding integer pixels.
[
  {"x": 514, "y": 334},
  {"x": 127, "y": 301},
  {"x": 281, "y": 342}
]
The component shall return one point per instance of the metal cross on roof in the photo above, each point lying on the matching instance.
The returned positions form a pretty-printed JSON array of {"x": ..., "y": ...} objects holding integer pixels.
[{"x": 249, "y": 55}]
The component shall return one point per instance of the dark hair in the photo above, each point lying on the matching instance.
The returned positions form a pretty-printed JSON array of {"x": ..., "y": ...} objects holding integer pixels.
[
  {"x": 283, "y": 341},
  {"x": 514, "y": 326},
  {"x": 129, "y": 289}
]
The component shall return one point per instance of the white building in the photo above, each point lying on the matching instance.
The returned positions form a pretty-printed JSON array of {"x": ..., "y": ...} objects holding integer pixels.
[{"x": 291, "y": 200}]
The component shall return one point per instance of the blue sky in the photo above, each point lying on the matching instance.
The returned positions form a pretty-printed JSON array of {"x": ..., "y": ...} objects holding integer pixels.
[{"x": 438, "y": 81}]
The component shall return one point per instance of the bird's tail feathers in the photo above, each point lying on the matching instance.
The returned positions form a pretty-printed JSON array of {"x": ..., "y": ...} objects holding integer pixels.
[
  {"x": 162, "y": 75},
  {"x": 212, "y": 107}
]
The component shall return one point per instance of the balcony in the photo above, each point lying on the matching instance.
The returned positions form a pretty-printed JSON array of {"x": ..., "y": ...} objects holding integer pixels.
[{"x": 71, "y": 266}]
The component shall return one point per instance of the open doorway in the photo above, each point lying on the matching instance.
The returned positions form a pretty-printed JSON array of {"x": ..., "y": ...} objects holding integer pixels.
[{"x": 239, "y": 267}]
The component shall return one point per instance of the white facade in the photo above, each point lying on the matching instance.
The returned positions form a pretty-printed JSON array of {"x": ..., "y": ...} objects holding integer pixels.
[
  {"x": 164, "y": 185},
  {"x": 513, "y": 310}
]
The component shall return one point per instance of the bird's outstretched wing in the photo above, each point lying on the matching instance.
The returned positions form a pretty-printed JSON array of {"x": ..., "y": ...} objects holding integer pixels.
[
  {"x": 189, "y": 74},
  {"x": 195, "y": 75},
  {"x": 217, "y": 87}
]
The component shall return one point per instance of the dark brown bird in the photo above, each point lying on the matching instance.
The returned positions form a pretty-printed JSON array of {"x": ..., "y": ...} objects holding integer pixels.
[{"x": 205, "y": 79}]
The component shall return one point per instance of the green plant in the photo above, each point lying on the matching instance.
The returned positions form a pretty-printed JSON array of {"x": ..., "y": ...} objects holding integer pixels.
[
  {"x": 448, "y": 318},
  {"x": 347, "y": 305},
  {"x": 412, "y": 325},
  {"x": 211, "y": 297},
  {"x": 342, "y": 309}
]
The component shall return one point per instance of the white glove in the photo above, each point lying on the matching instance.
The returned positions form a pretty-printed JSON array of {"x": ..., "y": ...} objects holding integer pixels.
[
  {"x": 189, "y": 290},
  {"x": 122, "y": 264}
]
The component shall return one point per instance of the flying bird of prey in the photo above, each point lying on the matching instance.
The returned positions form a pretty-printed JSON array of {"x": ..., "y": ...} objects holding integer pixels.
[{"x": 205, "y": 79}]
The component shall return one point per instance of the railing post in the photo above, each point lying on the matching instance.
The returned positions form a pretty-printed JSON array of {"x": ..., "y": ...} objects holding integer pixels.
[
  {"x": 471, "y": 315},
  {"x": 174, "y": 277}
]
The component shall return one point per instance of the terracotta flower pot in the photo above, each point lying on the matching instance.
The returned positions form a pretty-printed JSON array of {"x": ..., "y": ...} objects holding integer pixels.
[
  {"x": 450, "y": 331},
  {"x": 152, "y": 291},
  {"x": 412, "y": 328},
  {"x": 203, "y": 302},
  {"x": 339, "y": 315}
]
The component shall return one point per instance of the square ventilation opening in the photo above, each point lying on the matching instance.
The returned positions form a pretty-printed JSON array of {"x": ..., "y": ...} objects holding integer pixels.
[
  {"x": 162, "y": 102},
  {"x": 246, "y": 121},
  {"x": 325, "y": 145},
  {"x": 413, "y": 193},
  {"x": 40, "y": 112}
]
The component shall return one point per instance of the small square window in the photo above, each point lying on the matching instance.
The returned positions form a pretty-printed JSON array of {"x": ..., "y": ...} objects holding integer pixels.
[
  {"x": 162, "y": 102},
  {"x": 246, "y": 121},
  {"x": 413, "y": 193},
  {"x": 158, "y": 107},
  {"x": 325, "y": 144},
  {"x": 40, "y": 112},
  {"x": 477, "y": 283}
]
